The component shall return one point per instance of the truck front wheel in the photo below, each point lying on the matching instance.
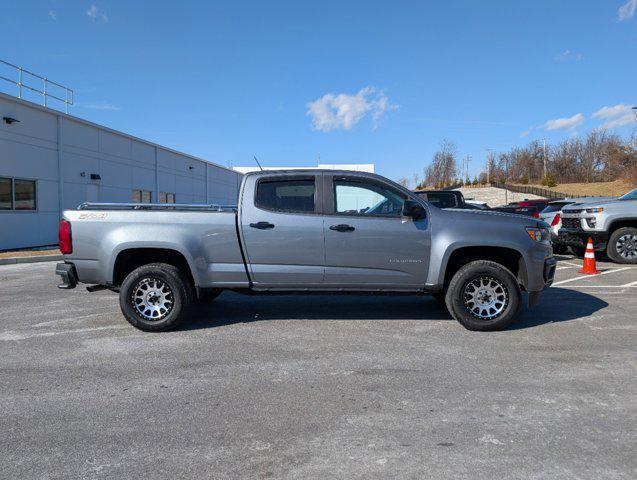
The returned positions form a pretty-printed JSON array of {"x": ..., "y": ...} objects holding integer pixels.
[
  {"x": 483, "y": 296},
  {"x": 153, "y": 297},
  {"x": 622, "y": 245}
]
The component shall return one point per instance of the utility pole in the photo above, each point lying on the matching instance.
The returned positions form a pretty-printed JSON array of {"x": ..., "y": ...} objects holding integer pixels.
[
  {"x": 490, "y": 154},
  {"x": 544, "y": 150},
  {"x": 467, "y": 160}
]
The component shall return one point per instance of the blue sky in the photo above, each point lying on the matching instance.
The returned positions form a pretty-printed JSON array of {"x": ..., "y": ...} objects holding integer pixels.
[{"x": 353, "y": 81}]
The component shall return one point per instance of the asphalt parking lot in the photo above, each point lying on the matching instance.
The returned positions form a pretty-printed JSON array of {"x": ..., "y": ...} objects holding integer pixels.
[{"x": 318, "y": 387}]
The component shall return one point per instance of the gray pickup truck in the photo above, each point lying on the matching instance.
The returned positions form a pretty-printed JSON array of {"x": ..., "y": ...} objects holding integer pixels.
[
  {"x": 610, "y": 222},
  {"x": 307, "y": 231}
]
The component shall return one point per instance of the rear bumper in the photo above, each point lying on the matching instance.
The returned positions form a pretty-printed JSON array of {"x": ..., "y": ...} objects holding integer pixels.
[
  {"x": 68, "y": 274},
  {"x": 572, "y": 237}
]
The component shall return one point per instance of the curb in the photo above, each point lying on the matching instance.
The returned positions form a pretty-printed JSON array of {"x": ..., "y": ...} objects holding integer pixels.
[{"x": 32, "y": 259}]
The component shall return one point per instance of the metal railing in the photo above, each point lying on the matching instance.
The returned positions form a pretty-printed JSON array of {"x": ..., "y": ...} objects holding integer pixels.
[
  {"x": 540, "y": 192},
  {"x": 156, "y": 206},
  {"x": 22, "y": 73}
]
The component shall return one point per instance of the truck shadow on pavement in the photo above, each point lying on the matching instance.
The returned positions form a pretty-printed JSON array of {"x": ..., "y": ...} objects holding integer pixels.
[{"x": 556, "y": 305}]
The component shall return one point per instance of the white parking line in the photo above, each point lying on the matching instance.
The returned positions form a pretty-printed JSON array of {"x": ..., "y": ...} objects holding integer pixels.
[
  {"x": 605, "y": 286},
  {"x": 631, "y": 284},
  {"x": 572, "y": 264},
  {"x": 586, "y": 276}
]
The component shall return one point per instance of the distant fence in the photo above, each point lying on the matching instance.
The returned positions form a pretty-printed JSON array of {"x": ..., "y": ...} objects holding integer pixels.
[{"x": 542, "y": 192}]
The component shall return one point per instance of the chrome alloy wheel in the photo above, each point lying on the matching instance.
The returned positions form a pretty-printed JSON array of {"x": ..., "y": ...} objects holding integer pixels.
[
  {"x": 485, "y": 297},
  {"x": 152, "y": 298},
  {"x": 626, "y": 246}
]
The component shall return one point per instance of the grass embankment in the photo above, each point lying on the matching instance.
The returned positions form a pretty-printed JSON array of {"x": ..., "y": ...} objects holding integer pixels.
[
  {"x": 595, "y": 189},
  {"x": 28, "y": 253}
]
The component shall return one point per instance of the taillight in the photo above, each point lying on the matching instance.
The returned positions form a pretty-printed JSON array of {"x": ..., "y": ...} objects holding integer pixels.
[
  {"x": 536, "y": 215},
  {"x": 556, "y": 220},
  {"x": 64, "y": 237}
]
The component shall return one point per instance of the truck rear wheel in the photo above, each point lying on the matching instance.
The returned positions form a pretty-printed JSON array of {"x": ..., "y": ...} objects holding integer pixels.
[
  {"x": 622, "y": 245},
  {"x": 153, "y": 297},
  {"x": 483, "y": 296}
]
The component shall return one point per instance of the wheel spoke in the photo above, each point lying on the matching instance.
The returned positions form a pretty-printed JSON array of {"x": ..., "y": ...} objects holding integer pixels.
[
  {"x": 152, "y": 299},
  {"x": 485, "y": 297}
]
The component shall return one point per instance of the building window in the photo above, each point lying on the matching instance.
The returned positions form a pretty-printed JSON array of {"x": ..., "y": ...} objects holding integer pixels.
[
  {"x": 141, "y": 196},
  {"x": 165, "y": 197},
  {"x": 17, "y": 194}
]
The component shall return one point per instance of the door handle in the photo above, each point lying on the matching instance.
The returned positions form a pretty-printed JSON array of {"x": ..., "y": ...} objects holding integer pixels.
[
  {"x": 342, "y": 228},
  {"x": 262, "y": 225}
]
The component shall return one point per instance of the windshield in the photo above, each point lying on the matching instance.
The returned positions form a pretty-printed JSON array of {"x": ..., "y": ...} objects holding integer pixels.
[
  {"x": 554, "y": 207},
  {"x": 629, "y": 196}
]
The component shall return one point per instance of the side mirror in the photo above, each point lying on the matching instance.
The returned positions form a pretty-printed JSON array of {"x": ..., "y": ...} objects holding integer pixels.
[{"x": 413, "y": 209}]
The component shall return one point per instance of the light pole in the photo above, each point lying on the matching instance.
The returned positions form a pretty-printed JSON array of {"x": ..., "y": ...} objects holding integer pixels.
[
  {"x": 490, "y": 155},
  {"x": 634, "y": 128}
]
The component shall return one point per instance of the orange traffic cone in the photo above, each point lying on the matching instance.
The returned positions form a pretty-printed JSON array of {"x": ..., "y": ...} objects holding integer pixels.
[{"x": 589, "y": 267}]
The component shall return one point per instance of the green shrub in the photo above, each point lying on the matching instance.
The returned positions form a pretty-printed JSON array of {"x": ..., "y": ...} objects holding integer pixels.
[{"x": 550, "y": 180}]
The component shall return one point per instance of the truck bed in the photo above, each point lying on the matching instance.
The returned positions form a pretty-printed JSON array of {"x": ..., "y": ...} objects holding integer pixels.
[{"x": 205, "y": 235}]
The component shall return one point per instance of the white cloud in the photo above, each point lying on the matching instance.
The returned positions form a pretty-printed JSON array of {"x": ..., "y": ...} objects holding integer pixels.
[
  {"x": 343, "y": 111},
  {"x": 570, "y": 123},
  {"x": 615, "y": 116},
  {"x": 100, "y": 106},
  {"x": 627, "y": 10},
  {"x": 96, "y": 14},
  {"x": 53, "y": 14},
  {"x": 568, "y": 55}
]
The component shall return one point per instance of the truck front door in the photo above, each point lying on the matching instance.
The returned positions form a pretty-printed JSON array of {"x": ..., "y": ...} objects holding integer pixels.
[
  {"x": 282, "y": 231},
  {"x": 368, "y": 243}
]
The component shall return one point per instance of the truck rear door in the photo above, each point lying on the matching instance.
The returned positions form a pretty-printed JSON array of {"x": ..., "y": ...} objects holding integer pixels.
[
  {"x": 282, "y": 231},
  {"x": 368, "y": 244}
]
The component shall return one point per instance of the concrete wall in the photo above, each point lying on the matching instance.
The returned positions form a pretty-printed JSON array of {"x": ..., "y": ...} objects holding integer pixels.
[{"x": 47, "y": 145}]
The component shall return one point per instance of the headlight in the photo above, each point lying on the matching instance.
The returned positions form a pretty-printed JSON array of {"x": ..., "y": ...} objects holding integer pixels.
[
  {"x": 540, "y": 235},
  {"x": 594, "y": 210}
]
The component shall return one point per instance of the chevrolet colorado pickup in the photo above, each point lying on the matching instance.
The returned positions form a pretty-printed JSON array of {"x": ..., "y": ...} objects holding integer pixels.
[
  {"x": 611, "y": 223},
  {"x": 308, "y": 231}
]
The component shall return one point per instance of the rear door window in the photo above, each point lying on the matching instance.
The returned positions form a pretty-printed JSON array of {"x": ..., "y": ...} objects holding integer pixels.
[{"x": 287, "y": 195}]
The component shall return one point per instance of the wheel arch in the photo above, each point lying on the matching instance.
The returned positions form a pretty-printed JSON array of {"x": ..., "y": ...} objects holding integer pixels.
[
  {"x": 621, "y": 223},
  {"x": 128, "y": 259},
  {"x": 508, "y": 257}
]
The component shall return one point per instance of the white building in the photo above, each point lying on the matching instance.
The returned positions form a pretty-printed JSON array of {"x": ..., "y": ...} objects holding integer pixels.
[
  {"x": 357, "y": 167},
  {"x": 51, "y": 161}
]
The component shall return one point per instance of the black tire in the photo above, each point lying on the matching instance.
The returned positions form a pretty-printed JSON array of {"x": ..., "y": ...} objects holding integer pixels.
[
  {"x": 207, "y": 295},
  {"x": 622, "y": 245},
  {"x": 156, "y": 287},
  {"x": 495, "y": 278},
  {"x": 560, "y": 249}
]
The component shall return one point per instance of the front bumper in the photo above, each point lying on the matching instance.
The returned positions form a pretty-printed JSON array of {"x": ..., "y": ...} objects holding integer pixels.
[
  {"x": 577, "y": 237},
  {"x": 68, "y": 274},
  {"x": 548, "y": 274}
]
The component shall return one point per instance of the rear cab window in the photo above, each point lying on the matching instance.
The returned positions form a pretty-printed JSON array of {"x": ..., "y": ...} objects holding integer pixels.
[
  {"x": 440, "y": 199},
  {"x": 296, "y": 194}
]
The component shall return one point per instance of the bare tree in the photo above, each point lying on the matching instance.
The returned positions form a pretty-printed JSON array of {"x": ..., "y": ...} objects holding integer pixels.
[
  {"x": 404, "y": 181},
  {"x": 443, "y": 169}
]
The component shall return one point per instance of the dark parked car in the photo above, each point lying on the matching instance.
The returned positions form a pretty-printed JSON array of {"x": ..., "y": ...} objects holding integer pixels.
[
  {"x": 443, "y": 198},
  {"x": 529, "y": 208}
]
